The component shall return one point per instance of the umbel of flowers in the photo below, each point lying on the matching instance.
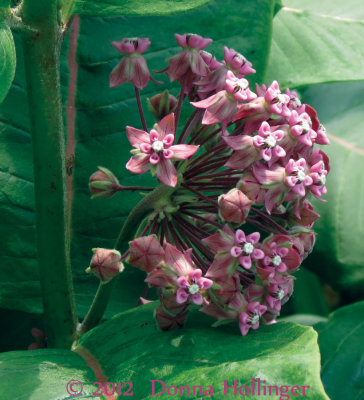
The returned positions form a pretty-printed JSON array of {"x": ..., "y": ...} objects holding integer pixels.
[{"x": 237, "y": 220}]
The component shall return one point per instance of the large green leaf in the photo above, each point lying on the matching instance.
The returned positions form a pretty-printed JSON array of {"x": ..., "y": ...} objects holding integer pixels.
[
  {"x": 339, "y": 252},
  {"x": 317, "y": 41},
  {"x": 101, "y": 116},
  {"x": 282, "y": 354},
  {"x": 43, "y": 375},
  {"x": 129, "y": 348},
  {"x": 135, "y": 7},
  {"x": 341, "y": 346},
  {"x": 7, "y": 60}
]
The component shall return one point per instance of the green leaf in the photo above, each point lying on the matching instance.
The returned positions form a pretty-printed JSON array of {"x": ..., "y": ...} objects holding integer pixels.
[
  {"x": 281, "y": 354},
  {"x": 316, "y": 42},
  {"x": 129, "y": 348},
  {"x": 341, "y": 345},
  {"x": 339, "y": 251},
  {"x": 43, "y": 375},
  {"x": 7, "y": 60},
  {"x": 101, "y": 117},
  {"x": 106, "y": 8}
]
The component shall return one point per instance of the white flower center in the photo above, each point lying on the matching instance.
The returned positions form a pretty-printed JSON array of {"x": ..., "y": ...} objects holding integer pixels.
[
  {"x": 296, "y": 101},
  {"x": 254, "y": 319},
  {"x": 270, "y": 141},
  {"x": 193, "y": 289},
  {"x": 158, "y": 146},
  {"x": 301, "y": 176},
  {"x": 281, "y": 98},
  {"x": 276, "y": 260},
  {"x": 242, "y": 84},
  {"x": 248, "y": 248},
  {"x": 305, "y": 125},
  {"x": 280, "y": 294},
  {"x": 323, "y": 179}
]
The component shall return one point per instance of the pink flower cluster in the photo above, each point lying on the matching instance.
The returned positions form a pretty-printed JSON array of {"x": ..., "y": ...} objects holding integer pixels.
[{"x": 238, "y": 220}]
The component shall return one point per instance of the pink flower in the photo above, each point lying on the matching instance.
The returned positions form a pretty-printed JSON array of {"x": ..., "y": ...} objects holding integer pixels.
[
  {"x": 244, "y": 248},
  {"x": 267, "y": 140},
  {"x": 188, "y": 62},
  {"x": 221, "y": 106},
  {"x": 321, "y": 137},
  {"x": 277, "y": 102},
  {"x": 237, "y": 62},
  {"x": 280, "y": 257},
  {"x": 232, "y": 248},
  {"x": 297, "y": 176},
  {"x": 156, "y": 149},
  {"x": 234, "y": 206},
  {"x": 238, "y": 87},
  {"x": 191, "y": 286},
  {"x": 249, "y": 319},
  {"x": 279, "y": 293},
  {"x": 301, "y": 127},
  {"x": 133, "y": 67}
]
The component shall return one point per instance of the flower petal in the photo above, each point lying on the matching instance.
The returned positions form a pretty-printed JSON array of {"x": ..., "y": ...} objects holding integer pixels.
[
  {"x": 166, "y": 126},
  {"x": 245, "y": 262},
  {"x": 197, "y": 298},
  {"x": 181, "y": 296},
  {"x": 183, "y": 151},
  {"x": 167, "y": 173},
  {"x": 137, "y": 137},
  {"x": 176, "y": 260},
  {"x": 138, "y": 163}
]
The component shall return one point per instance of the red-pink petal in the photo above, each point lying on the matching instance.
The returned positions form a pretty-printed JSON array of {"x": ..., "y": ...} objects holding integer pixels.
[
  {"x": 166, "y": 126},
  {"x": 181, "y": 296},
  {"x": 167, "y": 173},
  {"x": 176, "y": 260},
  {"x": 138, "y": 163},
  {"x": 183, "y": 151},
  {"x": 137, "y": 137},
  {"x": 197, "y": 298}
]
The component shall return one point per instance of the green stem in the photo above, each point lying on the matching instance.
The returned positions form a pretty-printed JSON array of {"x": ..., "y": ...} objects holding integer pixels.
[
  {"x": 153, "y": 200},
  {"x": 41, "y": 59}
]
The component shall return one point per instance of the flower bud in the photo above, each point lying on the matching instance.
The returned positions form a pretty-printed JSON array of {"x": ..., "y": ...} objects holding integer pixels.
[
  {"x": 103, "y": 183},
  {"x": 162, "y": 104},
  {"x": 234, "y": 206},
  {"x": 105, "y": 263},
  {"x": 305, "y": 215},
  {"x": 304, "y": 242},
  {"x": 252, "y": 188},
  {"x": 168, "y": 322}
]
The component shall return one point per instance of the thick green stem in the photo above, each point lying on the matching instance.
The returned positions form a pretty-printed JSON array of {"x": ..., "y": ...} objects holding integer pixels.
[
  {"x": 41, "y": 59},
  {"x": 153, "y": 200}
]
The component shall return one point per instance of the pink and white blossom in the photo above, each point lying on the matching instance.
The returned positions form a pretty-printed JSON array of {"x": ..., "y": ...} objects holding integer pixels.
[{"x": 156, "y": 149}]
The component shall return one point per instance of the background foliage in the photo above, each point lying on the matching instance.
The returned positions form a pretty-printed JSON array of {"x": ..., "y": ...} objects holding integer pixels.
[{"x": 315, "y": 47}]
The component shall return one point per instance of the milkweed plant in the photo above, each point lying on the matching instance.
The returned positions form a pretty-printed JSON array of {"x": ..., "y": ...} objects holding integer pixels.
[{"x": 230, "y": 220}]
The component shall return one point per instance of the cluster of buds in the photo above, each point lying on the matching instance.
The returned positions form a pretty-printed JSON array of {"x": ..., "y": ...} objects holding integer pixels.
[{"x": 238, "y": 220}]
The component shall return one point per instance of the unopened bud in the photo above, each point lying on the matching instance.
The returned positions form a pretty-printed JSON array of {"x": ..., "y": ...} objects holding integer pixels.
[
  {"x": 234, "y": 206},
  {"x": 103, "y": 183},
  {"x": 162, "y": 104},
  {"x": 105, "y": 263}
]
